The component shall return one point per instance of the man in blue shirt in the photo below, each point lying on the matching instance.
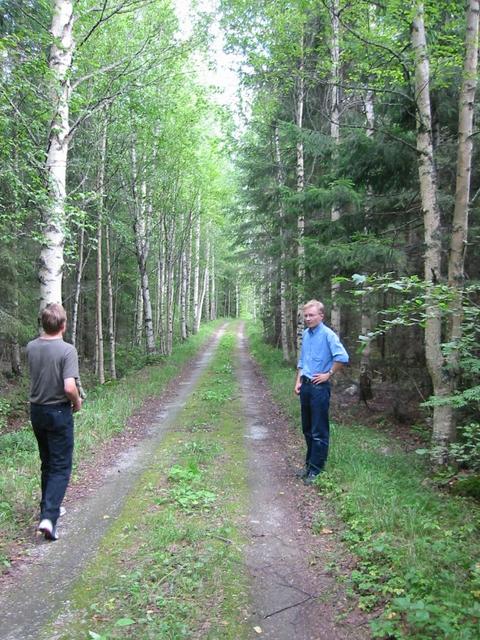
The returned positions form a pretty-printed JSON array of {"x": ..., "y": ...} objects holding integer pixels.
[{"x": 321, "y": 356}]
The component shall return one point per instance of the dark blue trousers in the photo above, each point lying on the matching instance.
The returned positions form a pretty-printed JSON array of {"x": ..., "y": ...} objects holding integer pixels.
[
  {"x": 315, "y": 403},
  {"x": 53, "y": 428}
]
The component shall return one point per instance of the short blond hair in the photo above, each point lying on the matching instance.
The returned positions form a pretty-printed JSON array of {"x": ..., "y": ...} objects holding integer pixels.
[{"x": 315, "y": 303}]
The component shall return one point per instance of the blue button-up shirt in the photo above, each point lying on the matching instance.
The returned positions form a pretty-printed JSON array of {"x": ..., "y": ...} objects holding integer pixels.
[{"x": 321, "y": 347}]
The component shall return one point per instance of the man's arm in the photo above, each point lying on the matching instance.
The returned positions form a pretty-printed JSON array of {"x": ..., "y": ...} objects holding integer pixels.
[
  {"x": 71, "y": 391},
  {"x": 298, "y": 382},
  {"x": 318, "y": 378}
]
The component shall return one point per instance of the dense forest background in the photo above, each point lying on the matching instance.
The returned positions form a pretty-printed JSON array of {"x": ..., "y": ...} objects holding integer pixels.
[{"x": 349, "y": 174}]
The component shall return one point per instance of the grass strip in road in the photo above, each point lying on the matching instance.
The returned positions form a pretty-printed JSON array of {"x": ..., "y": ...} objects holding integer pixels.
[
  {"x": 417, "y": 549},
  {"x": 171, "y": 566},
  {"x": 103, "y": 416}
]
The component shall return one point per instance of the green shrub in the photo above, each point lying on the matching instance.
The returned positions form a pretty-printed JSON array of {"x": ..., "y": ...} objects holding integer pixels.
[{"x": 467, "y": 450}]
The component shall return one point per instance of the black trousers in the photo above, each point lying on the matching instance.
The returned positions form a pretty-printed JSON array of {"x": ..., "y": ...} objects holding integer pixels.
[
  {"x": 315, "y": 403},
  {"x": 53, "y": 428}
]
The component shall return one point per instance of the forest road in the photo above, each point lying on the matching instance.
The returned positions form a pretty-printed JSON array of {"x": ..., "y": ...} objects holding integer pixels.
[
  {"x": 293, "y": 597},
  {"x": 39, "y": 589}
]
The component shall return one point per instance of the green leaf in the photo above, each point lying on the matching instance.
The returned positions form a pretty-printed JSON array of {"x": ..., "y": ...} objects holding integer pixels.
[{"x": 124, "y": 622}]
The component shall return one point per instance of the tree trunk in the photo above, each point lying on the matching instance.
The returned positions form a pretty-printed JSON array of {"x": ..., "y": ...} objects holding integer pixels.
[
  {"x": 335, "y": 316},
  {"x": 365, "y": 379},
  {"x": 458, "y": 241},
  {"x": 237, "y": 300},
  {"x": 137, "y": 339},
  {"x": 160, "y": 329},
  {"x": 283, "y": 277},
  {"x": 170, "y": 289},
  {"x": 111, "y": 310},
  {"x": 100, "y": 365},
  {"x": 213, "y": 291},
  {"x": 443, "y": 423},
  {"x": 183, "y": 293},
  {"x": 204, "y": 286},
  {"x": 188, "y": 301},
  {"x": 59, "y": 62},
  {"x": 196, "y": 276},
  {"x": 141, "y": 224},
  {"x": 300, "y": 176},
  {"x": 78, "y": 285},
  {"x": 15, "y": 359}
]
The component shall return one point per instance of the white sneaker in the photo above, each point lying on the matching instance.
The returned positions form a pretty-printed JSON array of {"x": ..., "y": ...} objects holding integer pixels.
[
  {"x": 63, "y": 511},
  {"x": 49, "y": 531}
]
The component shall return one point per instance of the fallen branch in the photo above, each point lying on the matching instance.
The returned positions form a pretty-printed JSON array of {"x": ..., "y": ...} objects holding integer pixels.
[{"x": 274, "y": 613}]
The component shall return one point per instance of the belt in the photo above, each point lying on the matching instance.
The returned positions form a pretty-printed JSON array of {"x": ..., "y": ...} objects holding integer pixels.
[{"x": 307, "y": 380}]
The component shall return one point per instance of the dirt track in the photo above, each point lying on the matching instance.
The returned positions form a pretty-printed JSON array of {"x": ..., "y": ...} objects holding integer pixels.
[{"x": 293, "y": 598}]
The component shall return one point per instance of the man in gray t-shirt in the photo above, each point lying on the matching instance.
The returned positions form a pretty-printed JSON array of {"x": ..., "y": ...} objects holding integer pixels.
[{"x": 53, "y": 366}]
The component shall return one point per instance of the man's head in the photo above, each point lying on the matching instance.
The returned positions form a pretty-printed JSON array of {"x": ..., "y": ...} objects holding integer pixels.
[
  {"x": 53, "y": 318},
  {"x": 313, "y": 312}
]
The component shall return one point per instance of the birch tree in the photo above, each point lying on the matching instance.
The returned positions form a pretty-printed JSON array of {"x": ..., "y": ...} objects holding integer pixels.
[
  {"x": 443, "y": 377},
  {"x": 54, "y": 218}
]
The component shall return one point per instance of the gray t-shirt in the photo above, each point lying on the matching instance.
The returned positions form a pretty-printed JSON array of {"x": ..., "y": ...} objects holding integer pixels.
[{"x": 50, "y": 362}]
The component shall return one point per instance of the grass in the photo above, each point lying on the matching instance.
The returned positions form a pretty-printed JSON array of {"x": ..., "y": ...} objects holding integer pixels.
[
  {"x": 103, "y": 415},
  {"x": 418, "y": 550},
  {"x": 171, "y": 565}
]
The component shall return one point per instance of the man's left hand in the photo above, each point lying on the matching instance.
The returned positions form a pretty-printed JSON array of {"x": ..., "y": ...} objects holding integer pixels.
[{"x": 318, "y": 378}]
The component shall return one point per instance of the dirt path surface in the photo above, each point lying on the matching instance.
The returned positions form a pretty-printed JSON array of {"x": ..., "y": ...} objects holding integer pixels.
[
  {"x": 293, "y": 595},
  {"x": 295, "y": 598},
  {"x": 39, "y": 587}
]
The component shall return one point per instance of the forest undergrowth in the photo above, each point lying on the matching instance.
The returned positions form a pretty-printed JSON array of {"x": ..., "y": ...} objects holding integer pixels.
[
  {"x": 104, "y": 415},
  {"x": 171, "y": 565},
  {"x": 417, "y": 549}
]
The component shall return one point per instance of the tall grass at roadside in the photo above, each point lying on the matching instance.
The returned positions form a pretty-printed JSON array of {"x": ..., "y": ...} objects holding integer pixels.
[
  {"x": 170, "y": 567},
  {"x": 103, "y": 415},
  {"x": 418, "y": 550}
]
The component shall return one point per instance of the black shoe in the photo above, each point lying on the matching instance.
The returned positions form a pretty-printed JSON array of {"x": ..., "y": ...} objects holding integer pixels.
[
  {"x": 309, "y": 479},
  {"x": 301, "y": 473}
]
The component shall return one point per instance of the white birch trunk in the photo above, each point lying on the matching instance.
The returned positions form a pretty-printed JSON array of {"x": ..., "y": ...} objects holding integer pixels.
[
  {"x": 335, "y": 316},
  {"x": 141, "y": 225},
  {"x": 161, "y": 296},
  {"x": 183, "y": 293},
  {"x": 213, "y": 291},
  {"x": 170, "y": 301},
  {"x": 206, "y": 305},
  {"x": 196, "y": 275},
  {"x": 442, "y": 415},
  {"x": 138, "y": 316},
  {"x": 189, "y": 277},
  {"x": 204, "y": 286},
  {"x": 60, "y": 62},
  {"x": 300, "y": 177},
  {"x": 458, "y": 240},
  {"x": 237, "y": 300}
]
